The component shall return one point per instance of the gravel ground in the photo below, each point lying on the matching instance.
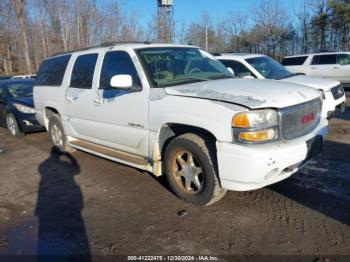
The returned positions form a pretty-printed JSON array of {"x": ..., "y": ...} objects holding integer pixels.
[{"x": 85, "y": 205}]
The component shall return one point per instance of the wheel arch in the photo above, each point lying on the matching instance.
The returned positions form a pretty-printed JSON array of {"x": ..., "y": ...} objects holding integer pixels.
[
  {"x": 49, "y": 111},
  {"x": 171, "y": 130}
]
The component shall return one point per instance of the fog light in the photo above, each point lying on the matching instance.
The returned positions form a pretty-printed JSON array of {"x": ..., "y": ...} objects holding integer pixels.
[{"x": 27, "y": 123}]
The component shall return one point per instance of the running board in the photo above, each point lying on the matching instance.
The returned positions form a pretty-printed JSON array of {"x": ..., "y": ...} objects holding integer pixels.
[{"x": 110, "y": 153}]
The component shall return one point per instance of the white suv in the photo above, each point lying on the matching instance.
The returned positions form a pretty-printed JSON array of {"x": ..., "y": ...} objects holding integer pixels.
[
  {"x": 264, "y": 67},
  {"x": 176, "y": 110},
  {"x": 333, "y": 65}
]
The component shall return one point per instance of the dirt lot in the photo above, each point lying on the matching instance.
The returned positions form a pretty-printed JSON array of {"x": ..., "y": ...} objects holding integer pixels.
[{"x": 83, "y": 204}]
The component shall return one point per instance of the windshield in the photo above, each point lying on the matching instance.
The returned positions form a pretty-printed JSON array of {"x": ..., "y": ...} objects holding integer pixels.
[
  {"x": 169, "y": 66},
  {"x": 20, "y": 90},
  {"x": 269, "y": 68}
]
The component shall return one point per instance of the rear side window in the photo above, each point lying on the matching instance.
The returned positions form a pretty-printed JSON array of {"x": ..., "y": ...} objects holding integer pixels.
[
  {"x": 117, "y": 63},
  {"x": 83, "y": 71},
  {"x": 294, "y": 61},
  {"x": 324, "y": 60},
  {"x": 343, "y": 59},
  {"x": 52, "y": 70}
]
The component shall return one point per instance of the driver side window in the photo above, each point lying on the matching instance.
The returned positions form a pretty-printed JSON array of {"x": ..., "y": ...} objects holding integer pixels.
[
  {"x": 117, "y": 63},
  {"x": 238, "y": 68}
]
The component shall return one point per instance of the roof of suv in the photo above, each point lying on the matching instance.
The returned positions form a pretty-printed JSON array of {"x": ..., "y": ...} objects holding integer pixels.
[
  {"x": 237, "y": 55},
  {"x": 133, "y": 45},
  {"x": 319, "y": 53}
]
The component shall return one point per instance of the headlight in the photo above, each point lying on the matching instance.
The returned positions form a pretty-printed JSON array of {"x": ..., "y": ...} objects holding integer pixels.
[
  {"x": 24, "y": 109},
  {"x": 256, "y": 119},
  {"x": 255, "y": 126}
]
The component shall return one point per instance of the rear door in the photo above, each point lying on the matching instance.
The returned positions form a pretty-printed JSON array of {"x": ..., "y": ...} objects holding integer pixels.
[{"x": 78, "y": 101}]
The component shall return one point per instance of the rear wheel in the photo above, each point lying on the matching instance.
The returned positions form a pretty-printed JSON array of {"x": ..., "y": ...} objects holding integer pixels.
[
  {"x": 58, "y": 136},
  {"x": 190, "y": 164},
  {"x": 12, "y": 126}
]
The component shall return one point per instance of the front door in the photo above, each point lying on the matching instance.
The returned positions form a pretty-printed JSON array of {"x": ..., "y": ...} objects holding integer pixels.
[{"x": 121, "y": 116}]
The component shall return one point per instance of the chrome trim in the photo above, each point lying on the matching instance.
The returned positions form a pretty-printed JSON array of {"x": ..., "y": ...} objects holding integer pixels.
[{"x": 287, "y": 110}]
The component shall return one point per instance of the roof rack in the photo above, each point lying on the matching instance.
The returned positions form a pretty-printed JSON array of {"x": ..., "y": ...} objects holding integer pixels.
[
  {"x": 124, "y": 42},
  {"x": 325, "y": 50},
  {"x": 105, "y": 44}
]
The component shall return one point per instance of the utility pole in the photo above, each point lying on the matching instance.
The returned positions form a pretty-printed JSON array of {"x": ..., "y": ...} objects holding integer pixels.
[{"x": 165, "y": 21}]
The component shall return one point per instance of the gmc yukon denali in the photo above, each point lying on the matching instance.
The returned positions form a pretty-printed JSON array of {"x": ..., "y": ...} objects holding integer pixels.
[{"x": 174, "y": 110}]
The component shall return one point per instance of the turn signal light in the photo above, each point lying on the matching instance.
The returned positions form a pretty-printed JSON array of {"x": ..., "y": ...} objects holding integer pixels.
[{"x": 241, "y": 120}]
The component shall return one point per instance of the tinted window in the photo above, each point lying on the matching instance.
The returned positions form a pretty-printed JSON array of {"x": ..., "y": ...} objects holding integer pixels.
[
  {"x": 293, "y": 61},
  {"x": 238, "y": 68},
  {"x": 83, "y": 71},
  {"x": 52, "y": 70},
  {"x": 117, "y": 63},
  {"x": 343, "y": 59},
  {"x": 324, "y": 60}
]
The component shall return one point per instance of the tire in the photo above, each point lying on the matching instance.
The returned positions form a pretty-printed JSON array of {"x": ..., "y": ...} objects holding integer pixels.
[
  {"x": 58, "y": 136},
  {"x": 12, "y": 126},
  {"x": 193, "y": 179}
]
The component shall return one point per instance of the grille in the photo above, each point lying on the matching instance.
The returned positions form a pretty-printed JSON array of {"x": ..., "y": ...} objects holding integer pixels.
[
  {"x": 301, "y": 120},
  {"x": 337, "y": 91}
]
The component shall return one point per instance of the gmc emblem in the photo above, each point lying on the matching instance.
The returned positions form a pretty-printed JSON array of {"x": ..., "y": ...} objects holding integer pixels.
[{"x": 308, "y": 118}]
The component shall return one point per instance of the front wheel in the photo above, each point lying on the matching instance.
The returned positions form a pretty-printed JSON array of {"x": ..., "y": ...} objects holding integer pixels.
[
  {"x": 190, "y": 165},
  {"x": 12, "y": 126}
]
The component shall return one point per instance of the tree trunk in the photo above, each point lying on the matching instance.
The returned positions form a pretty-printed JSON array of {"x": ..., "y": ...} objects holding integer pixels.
[{"x": 20, "y": 13}]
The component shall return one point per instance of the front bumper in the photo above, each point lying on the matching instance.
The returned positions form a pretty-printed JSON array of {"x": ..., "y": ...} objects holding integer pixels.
[
  {"x": 331, "y": 107},
  {"x": 339, "y": 109},
  {"x": 28, "y": 123},
  {"x": 249, "y": 167}
]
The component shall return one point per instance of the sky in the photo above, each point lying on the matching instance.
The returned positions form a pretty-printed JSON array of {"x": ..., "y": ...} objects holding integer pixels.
[{"x": 190, "y": 10}]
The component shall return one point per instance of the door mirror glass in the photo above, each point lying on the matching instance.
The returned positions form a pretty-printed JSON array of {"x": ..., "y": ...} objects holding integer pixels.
[
  {"x": 231, "y": 70},
  {"x": 121, "y": 81}
]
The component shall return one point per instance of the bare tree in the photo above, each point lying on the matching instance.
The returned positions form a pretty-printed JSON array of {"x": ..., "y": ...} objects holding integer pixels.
[{"x": 20, "y": 9}]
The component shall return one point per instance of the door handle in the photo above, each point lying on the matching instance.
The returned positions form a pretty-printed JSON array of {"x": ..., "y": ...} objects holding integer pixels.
[
  {"x": 98, "y": 101},
  {"x": 336, "y": 67},
  {"x": 69, "y": 99},
  {"x": 313, "y": 68}
]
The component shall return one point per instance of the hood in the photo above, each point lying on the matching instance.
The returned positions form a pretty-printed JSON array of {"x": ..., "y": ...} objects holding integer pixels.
[
  {"x": 27, "y": 101},
  {"x": 250, "y": 93},
  {"x": 314, "y": 82}
]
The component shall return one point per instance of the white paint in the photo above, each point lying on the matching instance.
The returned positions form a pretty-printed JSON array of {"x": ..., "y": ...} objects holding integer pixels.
[{"x": 132, "y": 120}]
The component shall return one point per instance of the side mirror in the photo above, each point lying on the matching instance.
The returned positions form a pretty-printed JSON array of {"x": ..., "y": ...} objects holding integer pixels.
[
  {"x": 231, "y": 70},
  {"x": 248, "y": 77},
  {"x": 121, "y": 81}
]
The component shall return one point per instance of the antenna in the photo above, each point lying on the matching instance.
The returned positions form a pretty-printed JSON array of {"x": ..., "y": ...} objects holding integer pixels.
[{"x": 165, "y": 21}]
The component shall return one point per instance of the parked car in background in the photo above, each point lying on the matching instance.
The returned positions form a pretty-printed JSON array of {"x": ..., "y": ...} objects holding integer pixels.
[
  {"x": 333, "y": 65},
  {"x": 24, "y": 76},
  {"x": 17, "y": 111},
  {"x": 264, "y": 67},
  {"x": 176, "y": 110},
  {"x": 5, "y": 77}
]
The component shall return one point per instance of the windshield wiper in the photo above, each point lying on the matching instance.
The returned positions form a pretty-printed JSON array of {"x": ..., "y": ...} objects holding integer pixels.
[
  {"x": 290, "y": 75},
  {"x": 220, "y": 77}
]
